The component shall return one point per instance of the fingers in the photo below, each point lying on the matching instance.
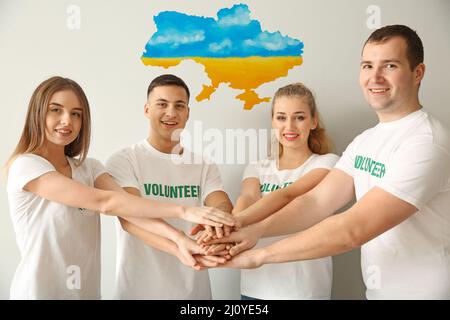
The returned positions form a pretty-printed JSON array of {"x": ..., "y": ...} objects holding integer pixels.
[
  {"x": 213, "y": 259},
  {"x": 232, "y": 238},
  {"x": 213, "y": 249},
  {"x": 226, "y": 231},
  {"x": 189, "y": 258},
  {"x": 219, "y": 232},
  {"x": 238, "y": 248},
  {"x": 203, "y": 262},
  {"x": 196, "y": 229},
  {"x": 210, "y": 232},
  {"x": 219, "y": 216}
]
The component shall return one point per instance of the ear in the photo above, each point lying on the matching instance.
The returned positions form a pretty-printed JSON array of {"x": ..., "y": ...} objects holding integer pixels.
[
  {"x": 189, "y": 112},
  {"x": 315, "y": 121},
  {"x": 147, "y": 110},
  {"x": 419, "y": 72}
]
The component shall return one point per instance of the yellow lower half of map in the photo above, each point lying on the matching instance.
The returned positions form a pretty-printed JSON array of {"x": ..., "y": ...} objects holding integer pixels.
[{"x": 240, "y": 73}]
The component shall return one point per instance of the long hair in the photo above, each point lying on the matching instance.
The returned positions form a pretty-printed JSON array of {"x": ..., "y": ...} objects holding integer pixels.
[
  {"x": 318, "y": 141},
  {"x": 33, "y": 133}
]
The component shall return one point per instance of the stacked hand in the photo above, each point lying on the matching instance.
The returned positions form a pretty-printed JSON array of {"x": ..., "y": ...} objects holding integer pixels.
[{"x": 220, "y": 246}]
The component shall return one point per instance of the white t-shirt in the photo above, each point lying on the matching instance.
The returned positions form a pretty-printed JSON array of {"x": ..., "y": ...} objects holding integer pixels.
[
  {"x": 309, "y": 279},
  {"x": 142, "y": 271},
  {"x": 59, "y": 245},
  {"x": 410, "y": 159}
]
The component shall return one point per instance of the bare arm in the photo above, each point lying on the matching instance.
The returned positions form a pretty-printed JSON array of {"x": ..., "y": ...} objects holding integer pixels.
[
  {"x": 375, "y": 213},
  {"x": 332, "y": 193},
  {"x": 250, "y": 194},
  {"x": 50, "y": 186},
  {"x": 276, "y": 200}
]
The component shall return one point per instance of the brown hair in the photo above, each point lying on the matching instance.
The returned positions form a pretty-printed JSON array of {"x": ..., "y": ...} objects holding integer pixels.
[
  {"x": 414, "y": 46},
  {"x": 33, "y": 133},
  {"x": 167, "y": 80},
  {"x": 318, "y": 141}
]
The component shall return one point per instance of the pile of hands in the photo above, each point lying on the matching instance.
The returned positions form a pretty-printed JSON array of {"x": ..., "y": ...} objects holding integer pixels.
[{"x": 216, "y": 246}]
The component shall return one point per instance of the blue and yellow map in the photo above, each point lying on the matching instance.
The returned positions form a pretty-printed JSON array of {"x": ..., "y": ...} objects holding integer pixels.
[{"x": 233, "y": 49}]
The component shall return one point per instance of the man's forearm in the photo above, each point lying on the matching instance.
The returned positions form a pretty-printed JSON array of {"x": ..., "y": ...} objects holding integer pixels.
[
  {"x": 151, "y": 239},
  {"x": 327, "y": 238},
  {"x": 300, "y": 214}
]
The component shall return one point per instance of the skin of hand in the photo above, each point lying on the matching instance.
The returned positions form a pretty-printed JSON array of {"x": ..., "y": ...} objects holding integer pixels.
[
  {"x": 249, "y": 259},
  {"x": 243, "y": 239},
  {"x": 188, "y": 247},
  {"x": 207, "y": 216}
]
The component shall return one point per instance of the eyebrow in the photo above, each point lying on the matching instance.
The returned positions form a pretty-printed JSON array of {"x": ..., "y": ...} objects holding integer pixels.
[
  {"x": 60, "y": 105},
  {"x": 298, "y": 112},
  {"x": 164, "y": 100},
  {"x": 383, "y": 61}
]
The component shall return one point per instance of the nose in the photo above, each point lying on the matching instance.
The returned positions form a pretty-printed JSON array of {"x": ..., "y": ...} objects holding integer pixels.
[
  {"x": 377, "y": 75},
  {"x": 65, "y": 118},
  {"x": 170, "y": 111},
  {"x": 289, "y": 124}
]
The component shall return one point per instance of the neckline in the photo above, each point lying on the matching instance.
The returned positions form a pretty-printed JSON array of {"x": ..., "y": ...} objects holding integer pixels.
[
  {"x": 399, "y": 122},
  {"x": 275, "y": 164}
]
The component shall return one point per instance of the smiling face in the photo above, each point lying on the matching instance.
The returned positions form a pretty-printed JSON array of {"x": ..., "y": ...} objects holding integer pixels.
[
  {"x": 168, "y": 111},
  {"x": 388, "y": 83},
  {"x": 293, "y": 121},
  {"x": 63, "y": 118}
]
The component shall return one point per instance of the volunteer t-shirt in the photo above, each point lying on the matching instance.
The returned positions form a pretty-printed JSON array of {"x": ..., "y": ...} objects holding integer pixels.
[
  {"x": 142, "y": 271},
  {"x": 309, "y": 279},
  {"x": 59, "y": 245},
  {"x": 410, "y": 159}
]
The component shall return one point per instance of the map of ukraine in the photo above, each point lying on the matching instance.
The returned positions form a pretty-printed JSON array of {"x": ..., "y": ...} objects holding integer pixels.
[{"x": 233, "y": 49}]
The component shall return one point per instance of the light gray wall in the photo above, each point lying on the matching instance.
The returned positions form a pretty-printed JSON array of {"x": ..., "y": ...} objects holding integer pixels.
[{"x": 103, "y": 56}]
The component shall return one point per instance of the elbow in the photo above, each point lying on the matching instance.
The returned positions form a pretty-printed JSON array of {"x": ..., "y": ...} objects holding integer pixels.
[
  {"x": 105, "y": 202},
  {"x": 350, "y": 236},
  {"x": 355, "y": 238}
]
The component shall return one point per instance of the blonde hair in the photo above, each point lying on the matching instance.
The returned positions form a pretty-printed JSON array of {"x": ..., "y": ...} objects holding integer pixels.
[
  {"x": 33, "y": 133},
  {"x": 318, "y": 141}
]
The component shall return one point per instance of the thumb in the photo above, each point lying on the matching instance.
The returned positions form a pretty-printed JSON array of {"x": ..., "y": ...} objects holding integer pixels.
[
  {"x": 238, "y": 248},
  {"x": 191, "y": 260}
]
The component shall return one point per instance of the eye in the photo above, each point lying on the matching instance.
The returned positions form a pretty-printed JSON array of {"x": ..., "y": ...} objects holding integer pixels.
[
  {"x": 161, "y": 104},
  {"x": 281, "y": 118},
  {"x": 179, "y": 106},
  {"x": 54, "y": 109},
  {"x": 366, "y": 66},
  {"x": 391, "y": 66},
  {"x": 76, "y": 114},
  {"x": 300, "y": 118}
]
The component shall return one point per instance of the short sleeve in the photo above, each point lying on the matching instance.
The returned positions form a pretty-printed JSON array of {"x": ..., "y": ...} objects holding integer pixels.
[
  {"x": 26, "y": 168},
  {"x": 251, "y": 171},
  {"x": 122, "y": 168},
  {"x": 326, "y": 161},
  {"x": 345, "y": 163},
  {"x": 96, "y": 167},
  {"x": 417, "y": 173},
  {"x": 213, "y": 181}
]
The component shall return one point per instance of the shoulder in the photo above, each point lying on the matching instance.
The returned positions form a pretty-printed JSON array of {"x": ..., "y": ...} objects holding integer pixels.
[
  {"x": 125, "y": 154},
  {"x": 439, "y": 134},
  {"x": 28, "y": 162},
  {"x": 331, "y": 157}
]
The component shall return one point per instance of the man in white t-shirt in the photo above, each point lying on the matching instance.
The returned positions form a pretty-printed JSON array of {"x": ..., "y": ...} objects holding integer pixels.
[
  {"x": 160, "y": 169},
  {"x": 399, "y": 171}
]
